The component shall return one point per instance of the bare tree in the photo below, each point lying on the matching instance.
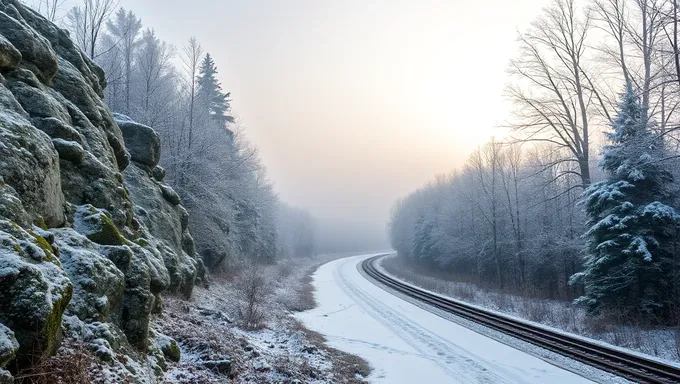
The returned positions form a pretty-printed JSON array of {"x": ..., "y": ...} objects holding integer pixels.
[
  {"x": 612, "y": 15},
  {"x": 554, "y": 96},
  {"x": 87, "y": 21},
  {"x": 484, "y": 164},
  {"x": 510, "y": 168},
  {"x": 48, "y": 8},
  {"x": 191, "y": 58}
]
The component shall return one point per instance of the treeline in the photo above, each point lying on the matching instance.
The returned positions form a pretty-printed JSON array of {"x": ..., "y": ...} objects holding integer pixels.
[
  {"x": 235, "y": 214},
  {"x": 580, "y": 202}
]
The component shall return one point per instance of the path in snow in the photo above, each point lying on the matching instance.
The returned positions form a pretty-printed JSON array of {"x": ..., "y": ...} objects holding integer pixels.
[{"x": 407, "y": 344}]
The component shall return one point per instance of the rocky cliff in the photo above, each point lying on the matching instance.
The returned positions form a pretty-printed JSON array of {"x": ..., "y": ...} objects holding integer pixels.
[{"x": 90, "y": 236}]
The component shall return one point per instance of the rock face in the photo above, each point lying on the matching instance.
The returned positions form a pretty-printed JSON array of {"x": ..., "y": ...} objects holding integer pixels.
[
  {"x": 84, "y": 235},
  {"x": 157, "y": 207}
]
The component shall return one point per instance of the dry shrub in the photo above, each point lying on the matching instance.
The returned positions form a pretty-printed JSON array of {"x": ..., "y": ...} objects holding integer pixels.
[
  {"x": 72, "y": 365},
  {"x": 503, "y": 302},
  {"x": 252, "y": 293},
  {"x": 536, "y": 310},
  {"x": 304, "y": 294},
  {"x": 348, "y": 369},
  {"x": 463, "y": 292},
  {"x": 284, "y": 269}
]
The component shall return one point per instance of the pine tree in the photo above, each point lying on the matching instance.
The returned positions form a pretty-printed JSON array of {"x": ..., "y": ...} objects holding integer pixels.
[
  {"x": 631, "y": 228},
  {"x": 214, "y": 101}
]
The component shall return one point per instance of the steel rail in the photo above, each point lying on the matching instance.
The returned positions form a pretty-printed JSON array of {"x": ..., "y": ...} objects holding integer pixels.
[{"x": 612, "y": 360}]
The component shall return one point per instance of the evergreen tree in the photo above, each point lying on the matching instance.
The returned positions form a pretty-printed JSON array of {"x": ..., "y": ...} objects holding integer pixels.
[
  {"x": 214, "y": 101},
  {"x": 629, "y": 243}
]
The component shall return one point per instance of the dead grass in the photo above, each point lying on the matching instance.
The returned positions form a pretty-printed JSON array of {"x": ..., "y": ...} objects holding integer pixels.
[
  {"x": 74, "y": 364},
  {"x": 347, "y": 368},
  {"x": 205, "y": 336},
  {"x": 304, "y": 294}
]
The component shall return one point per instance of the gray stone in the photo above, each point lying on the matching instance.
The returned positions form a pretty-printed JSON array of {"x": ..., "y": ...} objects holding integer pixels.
[
  {"x": 8, "y": 346},
  {"x": 158, "y": 173},
  {"x": 69, "y": 150},
  {"x": 34, "y": 48},
  {"x": 163, "y": 228},
  {"x": 143, "y": 143},
  {"x": 34, "y": 292},
  {"x": 169, "y": 347},
  {"x": 57, "y": 129},
  {"x": 9, "y": 55},
  {"x": 222, "y": 366},
  {"x": 11, "y": 206},
  {"x": 170, "y": 195},
  {"x": 6, "y": 377},
  {"x": 98, "y": 283},
  {"x": 29, "y": 163}
]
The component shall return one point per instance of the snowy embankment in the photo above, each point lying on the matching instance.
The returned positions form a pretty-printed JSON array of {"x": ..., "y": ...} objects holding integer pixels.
[
  {"x": 215, "y": 347},
  {"x": 405, "y": 343},
  {"x": 661, "y": 344}
]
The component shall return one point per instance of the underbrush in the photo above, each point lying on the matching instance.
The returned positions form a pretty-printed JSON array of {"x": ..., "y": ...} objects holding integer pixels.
[
  {"x": 74, "y": 364},
  {"x": 244, "y": 316},
  {"x": 610, "y": 327}
]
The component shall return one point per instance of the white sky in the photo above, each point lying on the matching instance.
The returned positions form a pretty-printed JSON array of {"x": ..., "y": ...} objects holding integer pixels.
[{"x": 354, "y": 103}]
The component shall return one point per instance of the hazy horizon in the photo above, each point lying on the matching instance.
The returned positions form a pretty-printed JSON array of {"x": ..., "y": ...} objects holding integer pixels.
[{"x": 354, "y": 104}]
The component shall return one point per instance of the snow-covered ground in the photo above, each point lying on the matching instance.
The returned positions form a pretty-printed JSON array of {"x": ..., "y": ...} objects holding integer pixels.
[
  {"x": 662, "y": 344},
  {"x": 407, "y": 344}
]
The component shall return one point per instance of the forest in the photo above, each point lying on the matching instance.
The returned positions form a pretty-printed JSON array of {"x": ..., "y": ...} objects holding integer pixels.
[
  {"x": 234, "y": 210},
  {"x": 578, "y": 201}
]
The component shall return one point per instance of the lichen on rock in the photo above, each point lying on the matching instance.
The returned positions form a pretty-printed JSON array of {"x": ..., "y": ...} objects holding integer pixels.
[
  {"x": 97, "y": 226},
  {"x": 34, "y": 293}
]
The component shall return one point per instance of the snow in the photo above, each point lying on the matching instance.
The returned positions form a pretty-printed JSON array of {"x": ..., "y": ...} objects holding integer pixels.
[{"x": 405, "y": 343}]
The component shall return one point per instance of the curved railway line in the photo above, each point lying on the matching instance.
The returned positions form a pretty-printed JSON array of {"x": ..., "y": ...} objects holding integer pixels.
[{"x": 615, "y": 361}]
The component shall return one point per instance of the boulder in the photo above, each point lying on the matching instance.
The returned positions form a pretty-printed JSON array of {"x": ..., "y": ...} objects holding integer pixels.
[
  {"x": 11, "y": 206},
  {"x": 34, "y": 48},
  {"x": 168, "y": 346},
  {"x": 29, "y": 163},
  {"x": 222, "y": 366},
  {"x": 98, "y": 284},
  {"x": 34, "y": 292},
  {"x": 158, "y": 173},
  {"x": 69, "y": 150},
  {"x": 143, "y": 143},
  {"x": 170, "y": 195},
  {"x": 97, "y": 226},
  {"x": 6, "y": 377},
  {"x": 9, "y": 55},
  {"x": 8, "y": 346}
]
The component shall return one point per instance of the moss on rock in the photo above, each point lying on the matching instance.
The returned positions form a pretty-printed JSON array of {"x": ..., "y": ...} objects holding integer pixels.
[
  {"x": 34, "y": 293},
  {"x": 97, "y": 226}
]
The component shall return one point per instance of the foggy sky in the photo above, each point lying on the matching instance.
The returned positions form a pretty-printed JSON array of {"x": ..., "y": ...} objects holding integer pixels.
[{"x": 354, "y": 103}]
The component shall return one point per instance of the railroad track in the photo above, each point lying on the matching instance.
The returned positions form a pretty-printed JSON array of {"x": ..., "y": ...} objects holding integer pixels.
[{"x": 628, "y": 365}]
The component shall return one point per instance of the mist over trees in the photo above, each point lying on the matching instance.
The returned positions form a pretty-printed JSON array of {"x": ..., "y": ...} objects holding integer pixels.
[
  {"x": 580, "y": 202},
  {"x": 235, "y": 213}
]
